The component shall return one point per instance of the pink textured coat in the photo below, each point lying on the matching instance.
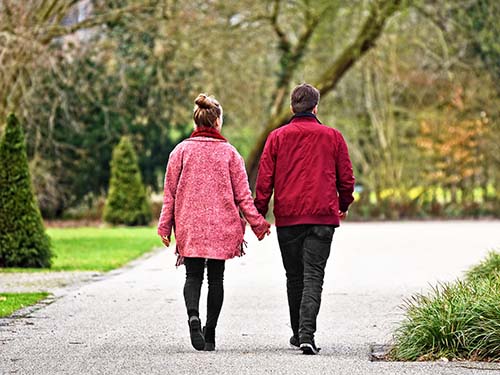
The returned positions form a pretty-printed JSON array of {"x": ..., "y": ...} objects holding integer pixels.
[{"x": 205, "y": 187}]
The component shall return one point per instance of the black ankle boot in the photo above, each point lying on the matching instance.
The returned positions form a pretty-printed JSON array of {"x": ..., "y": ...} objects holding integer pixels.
[
  {"x": 209, "y": 333},
  {"x": 197, "y": 339},
  {"x": 294, "y": 341}
]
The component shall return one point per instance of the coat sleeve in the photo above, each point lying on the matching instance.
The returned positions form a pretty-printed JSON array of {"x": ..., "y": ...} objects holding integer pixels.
[
  {"x": 172, "y": 175},
  {"x": 345, "y": 176},
  {"x": 243, "y": 196},
  {"x": 265, "y": 178}
]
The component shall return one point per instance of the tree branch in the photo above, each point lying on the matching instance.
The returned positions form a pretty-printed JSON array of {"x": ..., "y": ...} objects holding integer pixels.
[
  {"x": 114, "y": 15},
  {"x": 291, "y": 58},
  {"x": 370, "y": 31},
  {"x": 7, "y": 11},
  {"x": 284, "y": 43}
]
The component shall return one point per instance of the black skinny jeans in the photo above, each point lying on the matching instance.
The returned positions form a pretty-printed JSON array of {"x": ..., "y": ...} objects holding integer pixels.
[
  {"x": 305, "y": 250},
  {"x": 195, "y": 269}
]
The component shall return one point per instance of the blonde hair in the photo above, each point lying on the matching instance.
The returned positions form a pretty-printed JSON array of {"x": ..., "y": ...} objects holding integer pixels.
[{"x": 206, "y": 111}]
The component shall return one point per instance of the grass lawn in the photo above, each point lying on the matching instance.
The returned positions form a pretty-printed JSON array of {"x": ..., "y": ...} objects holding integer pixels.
[
  {"x": 10, "y": 302},
  {"x": 96, "y": 249}
]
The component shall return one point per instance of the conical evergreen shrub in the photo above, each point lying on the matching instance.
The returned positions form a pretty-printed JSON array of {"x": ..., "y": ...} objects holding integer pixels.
[
  {"x": 127, "y": 201},
  {"x": 23, "y": 241}
]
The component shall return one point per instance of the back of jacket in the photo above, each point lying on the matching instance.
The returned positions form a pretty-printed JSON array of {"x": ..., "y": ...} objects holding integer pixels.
[{"x": 308, "y": 166}]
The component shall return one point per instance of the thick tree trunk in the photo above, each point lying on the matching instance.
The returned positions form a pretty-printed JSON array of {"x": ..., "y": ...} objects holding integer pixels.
[{"x": 370, "y": 31}]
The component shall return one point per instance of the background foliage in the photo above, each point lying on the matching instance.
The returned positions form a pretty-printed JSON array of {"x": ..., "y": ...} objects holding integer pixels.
[{"x": 411, "y": 84}]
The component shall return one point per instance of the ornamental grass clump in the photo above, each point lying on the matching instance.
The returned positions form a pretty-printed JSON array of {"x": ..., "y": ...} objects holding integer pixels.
[
  {"x": 458, "y": 320},
  {"x": 489, "y": 267}
]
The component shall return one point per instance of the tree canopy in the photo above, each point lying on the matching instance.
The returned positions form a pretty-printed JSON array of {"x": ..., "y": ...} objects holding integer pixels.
[{"x": 409, "y": 83}]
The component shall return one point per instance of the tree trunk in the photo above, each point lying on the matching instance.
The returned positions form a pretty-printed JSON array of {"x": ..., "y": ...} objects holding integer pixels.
[{"x": 370, "y": 31}]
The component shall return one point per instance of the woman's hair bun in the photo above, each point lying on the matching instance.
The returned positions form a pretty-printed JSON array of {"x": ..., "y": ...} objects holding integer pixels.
[
  {"x": 206, "y": 111},
  {"x": 203, "y": 101}
]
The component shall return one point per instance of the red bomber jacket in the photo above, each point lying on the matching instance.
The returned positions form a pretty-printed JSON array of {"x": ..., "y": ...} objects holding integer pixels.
[{"x": 307, "y": 165}]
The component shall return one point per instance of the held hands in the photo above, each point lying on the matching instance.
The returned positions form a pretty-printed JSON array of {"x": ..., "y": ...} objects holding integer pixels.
[
  {"x": 342, "y": 215},
  {"x": 165, "y": 240},
  {"x": 266, "y": 232}
]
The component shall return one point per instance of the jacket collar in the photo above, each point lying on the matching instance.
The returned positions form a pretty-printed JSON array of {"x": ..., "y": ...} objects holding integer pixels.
[
  {"x": 204, "y": 139},
  {"x": 304, "y": 116},
  {"x": 207, "y": 132}
]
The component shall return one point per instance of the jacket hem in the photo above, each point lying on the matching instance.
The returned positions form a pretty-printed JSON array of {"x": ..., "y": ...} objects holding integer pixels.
[
  {"x": 285, "y": 221},
  {"x": 210, "y": 256}
]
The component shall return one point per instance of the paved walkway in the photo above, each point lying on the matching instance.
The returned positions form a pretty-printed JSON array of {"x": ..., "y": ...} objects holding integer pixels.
[
  {"x": 56, "y": 282},
  {"x": 132, "y": 321}
]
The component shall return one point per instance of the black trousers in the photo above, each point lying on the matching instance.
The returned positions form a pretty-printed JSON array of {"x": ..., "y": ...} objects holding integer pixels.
[
  {"x": 305, "y": 250},
  {"x": 195, "y": 270}
]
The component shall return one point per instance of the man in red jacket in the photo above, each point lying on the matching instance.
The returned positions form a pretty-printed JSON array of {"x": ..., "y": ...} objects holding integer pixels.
[{"x": 308, "y": 167}]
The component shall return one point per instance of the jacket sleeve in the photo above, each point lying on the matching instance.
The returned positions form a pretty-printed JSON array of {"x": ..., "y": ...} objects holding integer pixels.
[
  {"x": 243, "y": 196},
  {"x": 174, "y": 168},
  {"x": 345, "y": 176},
  {"x": 265, "y": 178}
]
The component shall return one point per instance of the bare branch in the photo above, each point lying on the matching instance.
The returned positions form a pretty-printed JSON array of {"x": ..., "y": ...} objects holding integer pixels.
[
  {"x": 284, "y": 44},
  {"x": 56, "y": 8},
  {"x": 114, "y": 15},
  {"x": 370, "y": 31},
  {"x": 7, "y": 11},
  {"x": 62, "y": 11},
  {"x": 46, "y": 9},
  {"x": 291, "y": 59}
]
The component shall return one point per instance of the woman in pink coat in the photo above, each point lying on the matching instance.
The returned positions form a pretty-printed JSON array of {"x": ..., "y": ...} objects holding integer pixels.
[{"x": 206, "y": 187}]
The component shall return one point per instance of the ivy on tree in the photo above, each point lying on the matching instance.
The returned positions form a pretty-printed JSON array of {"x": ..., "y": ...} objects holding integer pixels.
[
  {"x": 23, "y": 241},
  {"x": 127, "y": 201}
]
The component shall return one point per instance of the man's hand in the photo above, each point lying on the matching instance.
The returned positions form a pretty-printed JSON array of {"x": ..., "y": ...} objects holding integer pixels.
[
  {"x": 165, "y": 241},
  {"x": 342, "y": 215}
]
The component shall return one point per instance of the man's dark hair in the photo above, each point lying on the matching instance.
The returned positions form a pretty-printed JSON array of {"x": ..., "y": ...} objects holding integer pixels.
[{"x": 304, "y": 98}]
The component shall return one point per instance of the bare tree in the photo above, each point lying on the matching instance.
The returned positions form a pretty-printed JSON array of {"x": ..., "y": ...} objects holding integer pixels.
[
  {"x": 292, "y": 54},
  {"x": 26, "y": 32}
]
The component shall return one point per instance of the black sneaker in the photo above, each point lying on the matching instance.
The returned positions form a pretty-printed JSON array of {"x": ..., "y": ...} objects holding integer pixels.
[
  {"x": 294, "y": 341},
  {"x": 309, "y": 347},
  {"x": 197, "y": 339}
]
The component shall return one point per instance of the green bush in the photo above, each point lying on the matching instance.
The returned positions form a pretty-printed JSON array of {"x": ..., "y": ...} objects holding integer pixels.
[
  {"x": 23, "y": 241},
  {"x": 459, "y": 320},
  {"x": 127, "y": 201},
  {"x": 488, "y": 268}
]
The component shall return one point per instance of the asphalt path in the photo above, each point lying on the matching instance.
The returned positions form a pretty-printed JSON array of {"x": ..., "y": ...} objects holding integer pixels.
[{"x": 132, "y": 321}]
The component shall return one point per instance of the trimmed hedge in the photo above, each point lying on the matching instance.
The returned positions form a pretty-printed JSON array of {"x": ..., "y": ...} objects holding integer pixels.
[
  {"x": 23, "y": 241},
  {"x": 127, "y": 201}
]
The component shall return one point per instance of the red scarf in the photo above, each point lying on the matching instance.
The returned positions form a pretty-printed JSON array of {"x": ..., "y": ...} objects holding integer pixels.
[{"x": 204, "y": 131}]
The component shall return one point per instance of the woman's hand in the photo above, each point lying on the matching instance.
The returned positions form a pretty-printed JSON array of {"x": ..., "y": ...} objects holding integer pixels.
[
  {"x": 267, "y": 232},
  {"x": 342, "y": 215},
  {"x": 166, "y": 241}
]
